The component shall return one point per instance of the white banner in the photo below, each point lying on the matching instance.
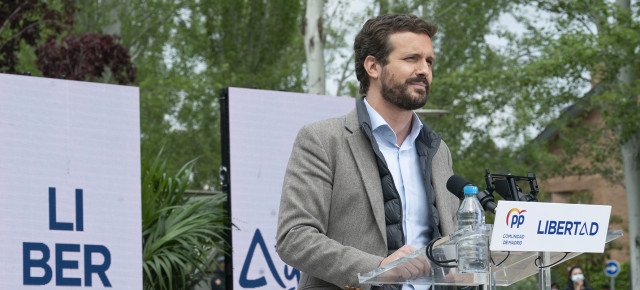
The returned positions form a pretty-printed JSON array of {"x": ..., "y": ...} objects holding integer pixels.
[
  {"x": 262, "y": 128},
  {"x": 69, "y": 185},
  {"x": 550, "y": 227}
]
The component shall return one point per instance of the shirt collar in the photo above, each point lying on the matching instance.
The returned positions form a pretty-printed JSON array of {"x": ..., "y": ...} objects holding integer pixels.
[{"x": 379, "y": 126}]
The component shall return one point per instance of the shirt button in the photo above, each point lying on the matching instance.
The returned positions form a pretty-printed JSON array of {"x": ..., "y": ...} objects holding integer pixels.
[{"x": 389, "y": 133}]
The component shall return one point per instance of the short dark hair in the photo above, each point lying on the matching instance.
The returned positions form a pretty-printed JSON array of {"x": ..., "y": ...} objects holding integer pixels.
[{"x": 373, "y": 39}]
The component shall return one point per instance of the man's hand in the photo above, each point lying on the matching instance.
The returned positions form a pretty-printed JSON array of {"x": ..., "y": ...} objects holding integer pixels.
[{"x": 409, "y": 270}]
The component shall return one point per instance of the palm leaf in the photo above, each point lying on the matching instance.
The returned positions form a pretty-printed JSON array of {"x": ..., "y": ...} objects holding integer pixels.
[{"x": 179, "y": 234}]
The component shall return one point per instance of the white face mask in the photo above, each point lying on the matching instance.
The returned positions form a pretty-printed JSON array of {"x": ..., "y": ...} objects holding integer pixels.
[{"x": 577, "y": 277}]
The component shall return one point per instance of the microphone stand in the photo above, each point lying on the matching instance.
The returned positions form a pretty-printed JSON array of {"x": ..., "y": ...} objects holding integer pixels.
[{"x": 515, "y": 193}]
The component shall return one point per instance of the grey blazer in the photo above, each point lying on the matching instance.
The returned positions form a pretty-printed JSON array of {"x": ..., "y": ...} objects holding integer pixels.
[{"x": 331, "y": 224}]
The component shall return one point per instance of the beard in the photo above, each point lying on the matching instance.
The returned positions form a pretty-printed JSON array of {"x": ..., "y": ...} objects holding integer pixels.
[{"x": 398, "y": 93}]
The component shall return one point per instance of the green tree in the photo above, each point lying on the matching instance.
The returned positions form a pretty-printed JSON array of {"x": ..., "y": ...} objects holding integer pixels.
[
  {"x": 186, "y": 52},
  {"x": 251, "y": 44}
]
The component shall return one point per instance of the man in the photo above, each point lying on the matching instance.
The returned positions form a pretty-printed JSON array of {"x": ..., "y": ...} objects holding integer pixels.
[{"x": 367, "y": 188}]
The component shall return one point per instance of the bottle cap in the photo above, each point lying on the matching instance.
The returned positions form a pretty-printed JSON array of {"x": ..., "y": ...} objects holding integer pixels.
[{"x": 470, "y": 190}]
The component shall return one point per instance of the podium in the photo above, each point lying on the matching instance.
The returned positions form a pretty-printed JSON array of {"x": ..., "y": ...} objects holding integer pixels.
[{"x": 505, "y": 268}]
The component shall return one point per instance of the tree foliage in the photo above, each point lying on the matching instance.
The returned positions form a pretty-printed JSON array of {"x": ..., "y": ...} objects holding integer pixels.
[
  {"x": 185, "y": 52},
  {"x": 29, "y": 22},
  {"x": 85, "y": 57},
  {"x": 252, "y": 44},
  {"x": 43, "y": 31}
]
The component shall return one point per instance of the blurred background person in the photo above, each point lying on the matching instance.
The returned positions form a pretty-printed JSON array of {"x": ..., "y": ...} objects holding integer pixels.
[{"x": 577, "y": 280}]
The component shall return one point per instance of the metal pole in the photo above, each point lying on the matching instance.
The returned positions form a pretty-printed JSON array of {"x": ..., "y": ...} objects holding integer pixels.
[
  {"x": 544, "y": 273},
  {"x": 490, "y": 278},
  {"x": 613, "y": 283}
]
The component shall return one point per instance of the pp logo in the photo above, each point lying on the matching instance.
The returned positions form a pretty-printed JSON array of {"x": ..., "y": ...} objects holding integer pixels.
[{"x": 517, "y": 218}]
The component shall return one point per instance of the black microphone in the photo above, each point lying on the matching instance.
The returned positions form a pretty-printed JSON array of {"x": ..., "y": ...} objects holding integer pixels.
[{"x": 456, "y": 184}]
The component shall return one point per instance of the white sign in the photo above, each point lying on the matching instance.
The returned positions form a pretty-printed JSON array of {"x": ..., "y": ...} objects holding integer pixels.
[
  {"x": 69, "y": 185},
  {"x": 262, "y": 128},
  {"x": 550, "y": 227}
]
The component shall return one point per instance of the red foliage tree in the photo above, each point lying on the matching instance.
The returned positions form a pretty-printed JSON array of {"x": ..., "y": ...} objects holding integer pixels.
[
  {"x": 86, "y": 57},
  {"x": 29, "y": 21},
  {"x": 77, "y": 57}
]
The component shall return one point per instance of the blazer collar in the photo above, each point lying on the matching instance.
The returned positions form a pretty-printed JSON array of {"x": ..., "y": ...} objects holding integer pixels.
[{"x": 361, "y": 149}]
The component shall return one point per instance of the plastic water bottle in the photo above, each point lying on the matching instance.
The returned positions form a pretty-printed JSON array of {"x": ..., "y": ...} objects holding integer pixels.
[{"x": 473, "y": 247}]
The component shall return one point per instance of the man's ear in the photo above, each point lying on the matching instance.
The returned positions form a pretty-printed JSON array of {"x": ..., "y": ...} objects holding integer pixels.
[{"x": 372, "y": 66}]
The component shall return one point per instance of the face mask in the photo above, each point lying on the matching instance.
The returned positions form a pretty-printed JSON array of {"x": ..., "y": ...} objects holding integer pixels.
[{"x": 577, "y": 277}]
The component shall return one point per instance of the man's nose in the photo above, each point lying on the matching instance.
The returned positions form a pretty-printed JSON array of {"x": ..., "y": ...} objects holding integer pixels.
[{"x": 423, "y": 69}]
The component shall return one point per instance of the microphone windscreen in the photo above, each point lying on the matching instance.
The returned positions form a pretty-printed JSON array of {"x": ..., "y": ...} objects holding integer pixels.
[
  {"x": 502, "y": 188},
  {"x": 456, "y": 184}
]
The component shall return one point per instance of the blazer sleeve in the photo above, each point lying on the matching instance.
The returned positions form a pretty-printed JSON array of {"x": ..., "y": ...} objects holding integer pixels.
[
  {"x": 446, "y": 202},
  {"x": 303, "y": 218}
]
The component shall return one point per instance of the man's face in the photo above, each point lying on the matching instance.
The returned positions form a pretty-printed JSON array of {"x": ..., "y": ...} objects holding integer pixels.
[{"x": 406, "y": 78}]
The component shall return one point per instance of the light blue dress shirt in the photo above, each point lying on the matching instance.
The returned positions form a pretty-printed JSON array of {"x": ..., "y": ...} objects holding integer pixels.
[{"x": 404, "y": 165}]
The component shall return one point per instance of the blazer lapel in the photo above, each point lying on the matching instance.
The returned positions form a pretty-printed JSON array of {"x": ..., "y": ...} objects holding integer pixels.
[{"x": 367, "y": 168}]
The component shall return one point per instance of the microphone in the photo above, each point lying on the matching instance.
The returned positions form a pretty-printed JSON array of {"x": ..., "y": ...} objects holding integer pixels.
[{"x": 456, "y": 184}]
